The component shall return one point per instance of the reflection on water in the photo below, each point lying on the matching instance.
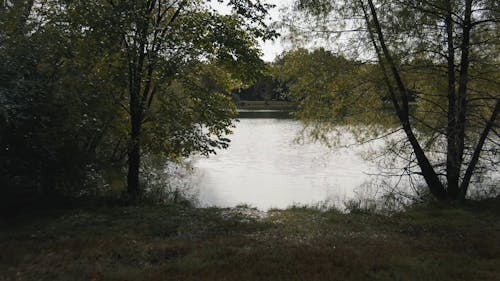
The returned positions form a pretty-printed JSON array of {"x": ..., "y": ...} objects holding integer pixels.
[{"x": 265, "y": 168}]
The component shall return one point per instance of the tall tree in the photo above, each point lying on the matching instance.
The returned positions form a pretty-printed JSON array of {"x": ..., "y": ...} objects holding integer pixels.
[
  {"x": 80, "y": 78},
  {"x": 446, "y": 53},
  {"x": 160, "y": 39}
]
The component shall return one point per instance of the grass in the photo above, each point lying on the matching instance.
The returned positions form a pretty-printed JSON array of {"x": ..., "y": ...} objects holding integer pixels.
[{"x": 184, "y": 243}]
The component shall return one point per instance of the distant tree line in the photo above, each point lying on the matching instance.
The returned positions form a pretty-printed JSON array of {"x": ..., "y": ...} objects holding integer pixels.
[
  {"x": 296, "y": 65},
  {"x": 266, "y": 88}
]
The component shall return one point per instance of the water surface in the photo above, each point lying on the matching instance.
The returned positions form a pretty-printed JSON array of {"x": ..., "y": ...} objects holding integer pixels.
[{"x": 265, "y": 167}]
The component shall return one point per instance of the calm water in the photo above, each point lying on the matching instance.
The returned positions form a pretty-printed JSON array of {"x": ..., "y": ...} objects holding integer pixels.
[{"x": 265, "y": 168}]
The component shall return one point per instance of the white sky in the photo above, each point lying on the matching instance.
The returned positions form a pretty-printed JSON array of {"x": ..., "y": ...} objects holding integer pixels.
[{"x": 270, "y": 49}]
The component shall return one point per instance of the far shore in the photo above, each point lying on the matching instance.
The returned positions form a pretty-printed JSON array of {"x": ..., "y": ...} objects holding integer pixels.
[{"x": 267, "y": 105}]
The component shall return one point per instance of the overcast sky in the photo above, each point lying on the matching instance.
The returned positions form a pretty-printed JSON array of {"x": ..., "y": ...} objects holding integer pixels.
[{"x": 270, "y": 49}]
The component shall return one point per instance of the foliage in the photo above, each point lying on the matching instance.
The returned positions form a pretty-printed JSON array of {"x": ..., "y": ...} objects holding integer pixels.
[
  {"x": 54, "y": 118},
  {"x": 333, "y": 92},
  {"x": 266, "y": 88},
  {"x": 442, "y": 54},
  {"x": 76, "y": 76},
  {"x": 161, "y": 42},
  {"x": 194, "y": 114}
]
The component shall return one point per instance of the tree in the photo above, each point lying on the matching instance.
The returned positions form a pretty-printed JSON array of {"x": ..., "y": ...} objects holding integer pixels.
[
  {"x": 446, "y": 54},
  {"x": 266, "y": 88},
  {"x": 75, "y": 73},
  {"x": 326, "y": 84},
  {"x": 161, "y": 40},
  {"x": 50, "y": 128}
]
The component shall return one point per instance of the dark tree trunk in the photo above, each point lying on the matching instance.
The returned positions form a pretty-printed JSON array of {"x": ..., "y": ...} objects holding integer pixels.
[
  {"x": 452, "y": 160},
  {"x": 134, "y": 162},
  {"x": 461, "y": 109},
  {"x": 430, "y": 176},
  {"x": 143, "y": 50},
  {"x": 136, "y": 67},
  {"x": 456, "y": 182},
  {"x": 134, "y": 155},
  {"x": 477, "y": 151}
]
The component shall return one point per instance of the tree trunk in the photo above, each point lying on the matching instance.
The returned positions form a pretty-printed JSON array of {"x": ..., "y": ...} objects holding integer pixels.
[
  {"x": 134, "y": 156},
  {"x": 477, "y": 152},
  {"x": 452, "y": 161},
  {"x": 136, "y": 67},
  {"x": 134, "y": 162},
  {"x": 430, "y": 176},
  {"x": 461, "y": 109}
]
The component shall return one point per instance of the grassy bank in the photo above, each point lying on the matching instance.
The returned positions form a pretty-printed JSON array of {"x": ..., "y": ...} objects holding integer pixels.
[{"x": 183, "y": 243}]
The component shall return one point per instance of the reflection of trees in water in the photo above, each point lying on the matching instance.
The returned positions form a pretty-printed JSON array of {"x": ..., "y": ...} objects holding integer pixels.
[
  {"x": 440, "y": 55},
  {"x": 167, "y": 182},
  {"x": 398, "y": 175}
]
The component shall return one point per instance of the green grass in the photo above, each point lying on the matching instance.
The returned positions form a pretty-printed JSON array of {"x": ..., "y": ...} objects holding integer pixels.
[{"x": 183, "y": 243}]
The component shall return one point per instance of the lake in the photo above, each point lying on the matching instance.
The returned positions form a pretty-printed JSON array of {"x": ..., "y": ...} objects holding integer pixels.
[{"x": 265, "y": 167}]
